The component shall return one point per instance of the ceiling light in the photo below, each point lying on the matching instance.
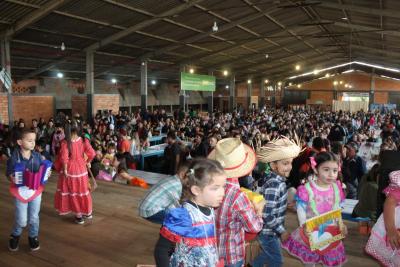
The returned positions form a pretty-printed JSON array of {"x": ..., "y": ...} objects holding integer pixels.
[
  {"x": 290, "y": 84},
  {"x": 335, "y": 83},
  {"x": 346, "y": 64},
  {"x": 215, "y": 27},
  {"x": 299, "y": 86},
  {"x": 316, "y": 72},
  {"x": 266, "y": 81},
  {"x": 153, "y": 82},
  {"x": 266, "y": 56},
  {"x": 227, "y": 86},
  {"x": 60, "y": 75},
  {"x": 341, "y": 82},
  {"x": 344, "y": 18},
  {"x": 191, "y": 70},
  {"x": 279, "y": 83},
  {"x": 327, "y": 75},
  {"x": 62, "y": 46},
  {"x": 226, "y": 73},
  {"x": 346, "y": 85},
  {"x": 350, "y": 86},
  {"x": 113, "y": 80},
  {"x": 297, "y": 67},
  {"x": 249, "y": 81}
]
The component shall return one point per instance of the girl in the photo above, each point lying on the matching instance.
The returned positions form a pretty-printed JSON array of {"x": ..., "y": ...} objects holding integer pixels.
[
  {"x": 192, "y": 226},
  {"x": 312, "y": 199},
  {"x": 384, "y": 242},
  {"x": 72, "y": 193}
]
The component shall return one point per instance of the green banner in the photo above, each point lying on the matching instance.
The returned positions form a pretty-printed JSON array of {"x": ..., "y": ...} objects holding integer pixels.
[{"x": 196, "y": 82}]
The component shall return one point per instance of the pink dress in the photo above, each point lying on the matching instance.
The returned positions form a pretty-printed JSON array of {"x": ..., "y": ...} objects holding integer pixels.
[
  {"x": 295, "y": 244},
  {"x": 72, "y": 193},
  {"x": 377, "y": 245}
]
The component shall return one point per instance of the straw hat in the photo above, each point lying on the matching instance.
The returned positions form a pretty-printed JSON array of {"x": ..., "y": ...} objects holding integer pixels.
[
  {"x": 236, "y": 158},
  {"x": 278, "y": 149}
]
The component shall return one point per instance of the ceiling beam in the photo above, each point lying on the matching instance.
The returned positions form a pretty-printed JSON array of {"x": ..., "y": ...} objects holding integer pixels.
[
  {"x": 361, "y": 9},
  {"x": 368, "y": 29},
  {"x": 283, "y": 27},
  {"x": 141, "y": 25},
  {"x": 197, "y": 37},
  {"x": 377, "y": 50},
  {"x": 118, "y": 35},
  {"x": 31, "y": 18}
]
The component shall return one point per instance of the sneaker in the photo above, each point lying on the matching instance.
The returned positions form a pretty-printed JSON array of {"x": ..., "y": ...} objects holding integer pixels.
[
  {"x": 89, "y": 217},
  {"x": 34, "y": 243},
  {"x": 79, "y": 220},
  {"x": 13, "y": 243}
]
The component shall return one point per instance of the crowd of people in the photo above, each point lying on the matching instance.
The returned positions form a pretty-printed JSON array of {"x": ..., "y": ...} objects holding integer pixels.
[{"x": 322, "y": 157}]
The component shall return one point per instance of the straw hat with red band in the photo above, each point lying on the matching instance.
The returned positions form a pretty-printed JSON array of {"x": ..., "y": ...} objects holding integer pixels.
[{"x": 236, "y": 158}]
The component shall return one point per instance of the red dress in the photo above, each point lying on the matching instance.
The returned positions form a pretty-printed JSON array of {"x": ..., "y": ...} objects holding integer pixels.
[{"x": 72, "y": 193}]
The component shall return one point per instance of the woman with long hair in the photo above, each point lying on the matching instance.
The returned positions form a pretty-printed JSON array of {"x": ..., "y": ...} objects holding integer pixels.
[{"x": 73, "y": 193}]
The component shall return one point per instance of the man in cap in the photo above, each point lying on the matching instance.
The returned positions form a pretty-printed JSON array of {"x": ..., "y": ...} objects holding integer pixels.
[{"x": 237, "y": 214}]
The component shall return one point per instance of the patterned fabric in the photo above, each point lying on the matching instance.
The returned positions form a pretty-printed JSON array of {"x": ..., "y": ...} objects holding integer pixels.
[
  {"x": 377, "y": 245},
  {"x": 275, "y": 193},
  {"x": 72, "y": 193},
  {"x": 234, "y": 217},
  {"x": 163, "y": 195},
  {"x": 324, "y": 201},
  {"x": 194, "y": 235}
]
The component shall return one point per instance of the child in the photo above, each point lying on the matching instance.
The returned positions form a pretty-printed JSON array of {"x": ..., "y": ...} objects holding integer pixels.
[
  {"x": 384, "y": 242},
  {"x": 236, "y": 214},
  {"x": 192, "y": 226},
  {"x": 73, "y": 193},
  {"x": 120, "y": 169},
  {"x": 27, "y": 209},
  {"x": 279, "y": 155},
  {"x": 41, "y": 149},
  {"x": 313, "y": 199}
]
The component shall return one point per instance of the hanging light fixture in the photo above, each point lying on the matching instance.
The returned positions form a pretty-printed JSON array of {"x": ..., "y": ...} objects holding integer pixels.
[
  {"x": 62, "y": 46},
  {"x": 215, "y": 27}
]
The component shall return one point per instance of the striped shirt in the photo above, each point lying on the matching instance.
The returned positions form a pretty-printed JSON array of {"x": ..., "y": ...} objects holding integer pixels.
[
  {"x": 234, "y": 217},
  {"x": 163, "y": 195},
  {"x": 275, "y": 193}
]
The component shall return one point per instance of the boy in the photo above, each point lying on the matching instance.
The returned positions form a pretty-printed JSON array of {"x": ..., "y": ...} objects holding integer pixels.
[
  {"x": 278, "y": 155},
  {"x": 236, "y": 214},
  {"x": 27, "y": 208}
]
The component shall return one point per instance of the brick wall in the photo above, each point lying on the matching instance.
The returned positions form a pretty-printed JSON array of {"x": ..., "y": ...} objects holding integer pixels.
[
  {"x": 320, "y": 97},
  {"x": 29, "y": 107},
  {"x": 79, "y": 105},
  {"x": 381, "y": 97},
  {"x": 107, "y": 102},
  {"x": 4, "y": 108}
]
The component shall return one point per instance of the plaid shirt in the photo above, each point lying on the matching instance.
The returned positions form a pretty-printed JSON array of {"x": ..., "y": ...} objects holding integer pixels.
[
  {"x": 234, "y": 217},
  {"x": 275, "y": 193},
  {"x": 163, "y": 195}
]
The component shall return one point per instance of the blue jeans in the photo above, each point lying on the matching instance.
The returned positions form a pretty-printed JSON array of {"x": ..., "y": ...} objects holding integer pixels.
[
  {"x": 157, "y": 218},
  {"x": 27, "y": 213},
  {"x": 237, "y": 264},
  {"x": 270, "y": 252}
]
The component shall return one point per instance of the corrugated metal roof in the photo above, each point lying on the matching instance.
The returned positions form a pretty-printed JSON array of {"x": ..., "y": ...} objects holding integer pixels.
[{"x": 80, "y": 24}]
